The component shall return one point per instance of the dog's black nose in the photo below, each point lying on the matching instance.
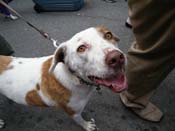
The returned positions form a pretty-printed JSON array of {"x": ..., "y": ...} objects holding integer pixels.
[{"x": 114, "y": 59}]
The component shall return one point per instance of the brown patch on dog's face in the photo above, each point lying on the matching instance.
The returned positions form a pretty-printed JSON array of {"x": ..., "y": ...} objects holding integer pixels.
[
  {"x": 107, "y": 34},
  {"x": 53, "y": 89},
  {"x": 4, "y": 62},
  {"x": 32, "y": 98}
]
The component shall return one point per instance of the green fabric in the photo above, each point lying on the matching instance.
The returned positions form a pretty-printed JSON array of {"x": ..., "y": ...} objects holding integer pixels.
[
  {"x": 5, "y": 48},
  {"x": 152, "y": 56}
]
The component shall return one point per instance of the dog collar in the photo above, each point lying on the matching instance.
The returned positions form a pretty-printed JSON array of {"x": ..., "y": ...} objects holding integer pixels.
[{"x": 83, "y": 81}]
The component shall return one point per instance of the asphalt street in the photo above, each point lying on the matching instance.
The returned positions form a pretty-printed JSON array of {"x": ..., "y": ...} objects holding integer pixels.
[{"x": 106, "y": 108}]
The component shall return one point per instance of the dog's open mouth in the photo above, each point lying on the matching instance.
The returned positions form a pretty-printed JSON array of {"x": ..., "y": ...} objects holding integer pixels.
[{"x": 116, "y": 83}]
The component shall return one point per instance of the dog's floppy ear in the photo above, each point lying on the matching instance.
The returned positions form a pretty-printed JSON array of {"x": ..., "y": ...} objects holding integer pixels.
[{"x": 58, "y": 57}]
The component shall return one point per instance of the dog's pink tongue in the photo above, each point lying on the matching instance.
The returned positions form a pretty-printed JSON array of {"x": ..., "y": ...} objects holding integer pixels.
[{"x": 116, "y": 84}]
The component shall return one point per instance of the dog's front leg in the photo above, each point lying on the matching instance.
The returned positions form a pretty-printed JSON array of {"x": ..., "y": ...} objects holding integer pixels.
[
  {"x": 87, "y": 125},
  {"x": 1, "y": 123}
]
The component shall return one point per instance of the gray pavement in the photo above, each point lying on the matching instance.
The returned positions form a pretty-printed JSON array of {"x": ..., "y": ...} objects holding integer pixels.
[{"x": 109, "y": 113}]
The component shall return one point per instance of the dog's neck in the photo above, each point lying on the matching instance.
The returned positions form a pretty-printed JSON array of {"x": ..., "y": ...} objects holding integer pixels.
[
  {"x": 70, "y": 80},
  {"x": 82, "y": 81}
]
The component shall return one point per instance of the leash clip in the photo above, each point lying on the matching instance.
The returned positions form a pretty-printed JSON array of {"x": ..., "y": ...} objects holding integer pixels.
[{"x": 54, "y": 42}]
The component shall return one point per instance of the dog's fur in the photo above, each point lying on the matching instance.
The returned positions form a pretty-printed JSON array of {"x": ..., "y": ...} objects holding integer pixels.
[{"x": 61, "y": 79}]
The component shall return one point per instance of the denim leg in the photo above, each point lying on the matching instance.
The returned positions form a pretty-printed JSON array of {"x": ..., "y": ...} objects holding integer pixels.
[{"x": 4, "y": 10}]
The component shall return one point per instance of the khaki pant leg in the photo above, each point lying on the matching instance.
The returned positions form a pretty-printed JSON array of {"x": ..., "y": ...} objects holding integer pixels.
[{"x": 152, "y": 55}]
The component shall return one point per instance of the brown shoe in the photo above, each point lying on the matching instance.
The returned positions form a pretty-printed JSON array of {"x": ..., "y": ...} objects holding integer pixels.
[
  {"x": 142, "y": 107},
  {"x": 150, "y": 113}
]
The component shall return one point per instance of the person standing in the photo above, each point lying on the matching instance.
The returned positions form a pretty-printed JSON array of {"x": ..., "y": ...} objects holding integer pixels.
[
  {"x": 6, "y": 11},
  {"x": 152, "y": 55}
]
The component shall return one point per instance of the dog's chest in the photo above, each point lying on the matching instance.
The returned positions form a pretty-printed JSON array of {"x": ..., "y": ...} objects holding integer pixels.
[
  {"x": 80, "y": 93},
  {"x": 79, "y": 98}
]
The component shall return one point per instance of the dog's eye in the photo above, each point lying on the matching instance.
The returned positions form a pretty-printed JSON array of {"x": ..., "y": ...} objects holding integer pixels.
[
  {"x": 108, "y": 35},
  {"x": 82, "y": 48}
]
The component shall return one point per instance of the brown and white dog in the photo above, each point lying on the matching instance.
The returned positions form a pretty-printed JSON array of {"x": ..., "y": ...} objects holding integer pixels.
[{"x": 67, "y": 78}]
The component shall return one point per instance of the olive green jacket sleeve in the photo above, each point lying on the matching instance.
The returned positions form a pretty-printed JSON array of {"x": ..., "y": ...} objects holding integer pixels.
[{"x": 5, "y": 48}]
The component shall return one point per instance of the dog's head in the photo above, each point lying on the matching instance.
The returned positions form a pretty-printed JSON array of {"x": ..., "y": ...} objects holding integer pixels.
[{"x": 93, "y": 56}]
